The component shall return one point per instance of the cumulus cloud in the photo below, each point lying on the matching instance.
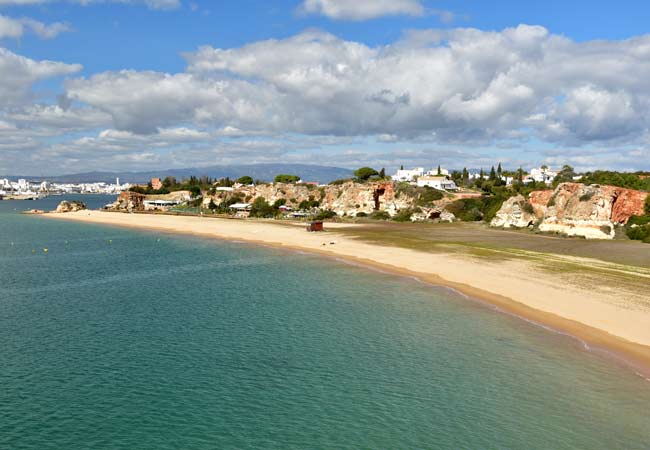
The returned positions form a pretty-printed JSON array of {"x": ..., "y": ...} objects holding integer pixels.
[
  {"x": 452, "y": 86},
  {"x": 361, "y": 9},
  {"x": 438, "y": 88},
  {"x": 20, "y": 73},
  {"x": 15, "y": 28}
]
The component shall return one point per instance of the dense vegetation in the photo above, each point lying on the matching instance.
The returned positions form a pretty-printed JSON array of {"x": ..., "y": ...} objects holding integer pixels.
[
  {"x": 170, "y": 184},
  {"x": 638, "y": 181},
  {"x": 284, "y": 178},
  {"x": 638, "y": 227}
]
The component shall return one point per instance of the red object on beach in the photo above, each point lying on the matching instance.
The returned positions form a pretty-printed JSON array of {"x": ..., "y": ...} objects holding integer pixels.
[{"x": 315, "y": 226}]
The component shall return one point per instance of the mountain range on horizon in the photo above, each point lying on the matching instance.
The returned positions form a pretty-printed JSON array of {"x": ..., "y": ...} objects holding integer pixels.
[{"x": 265, "y": 172}]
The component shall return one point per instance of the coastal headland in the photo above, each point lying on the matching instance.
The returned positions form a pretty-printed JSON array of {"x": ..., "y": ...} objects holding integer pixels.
[{"x": 602, "y": 302}]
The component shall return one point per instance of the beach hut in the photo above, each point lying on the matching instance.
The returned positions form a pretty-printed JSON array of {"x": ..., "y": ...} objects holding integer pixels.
[{"x": 315, "y": 226}]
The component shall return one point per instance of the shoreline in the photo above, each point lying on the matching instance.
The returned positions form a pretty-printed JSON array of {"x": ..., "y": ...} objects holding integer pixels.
[{"x": 616, "y": 340}]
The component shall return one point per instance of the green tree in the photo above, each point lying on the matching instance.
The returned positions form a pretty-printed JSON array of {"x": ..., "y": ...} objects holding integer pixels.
[
  {"x": 439, "y": 170},
  {"x": 279, "y": 202},
  {"x": 646, "y": 208},
  {"x": 382, "y": 173},
  {"x": 245, "y": 180},
  {"x": 261, "y": 208},
  {"x": 465, "y": 176},
  {"x": 169, "y": 182},
  {"x": 195, "y": 190},
  {"x": 499, "y": 171},
  {"x": 284, "y": 178},
  {"x": 364, "y": 173},
  {"x": 565, "y": 175},
  {"x": 493, "y": 174}
]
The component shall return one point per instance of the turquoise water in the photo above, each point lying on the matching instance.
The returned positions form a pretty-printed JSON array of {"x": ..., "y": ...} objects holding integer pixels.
[{"x": 119, "y": 339}]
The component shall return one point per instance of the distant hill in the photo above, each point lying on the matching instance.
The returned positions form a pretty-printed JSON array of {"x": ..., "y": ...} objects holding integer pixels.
[{"x": 265, "y": 172}]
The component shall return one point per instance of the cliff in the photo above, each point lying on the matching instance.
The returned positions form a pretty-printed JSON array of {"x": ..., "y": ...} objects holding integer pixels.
[
  {"x": 347, "y": 199},
  {"x": 590, "y": 211},
  {"x": 515, "y": 212}
]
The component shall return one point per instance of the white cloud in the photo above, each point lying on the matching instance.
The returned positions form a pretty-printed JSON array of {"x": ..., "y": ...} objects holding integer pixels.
[
  {"x": 362, "y": 9},
  {"x": 434, "y": 89},
  {"x": 20, "y": 73},
  {"x": 15, "y": 28},
  {"x": 462, "y": 85}
]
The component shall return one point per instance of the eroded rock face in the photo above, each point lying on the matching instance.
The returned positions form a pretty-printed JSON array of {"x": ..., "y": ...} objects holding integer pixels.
[
  {"x": 515, "y": 212},
  {"x": 129, "y": 201},
  {"x": 574, "y": 209},
  {"x": 590, "y": 211},
  {"x": 347, "y": 199},
  {"x": 66, "y": 206},
  {"x": 539, "y": 201}
]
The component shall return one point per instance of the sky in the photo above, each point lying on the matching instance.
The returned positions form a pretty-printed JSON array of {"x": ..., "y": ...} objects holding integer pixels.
[{"x": 155, "y": 84}]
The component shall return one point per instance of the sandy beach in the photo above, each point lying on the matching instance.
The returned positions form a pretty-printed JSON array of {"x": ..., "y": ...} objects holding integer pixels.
[{"x": 607, "y": 318}]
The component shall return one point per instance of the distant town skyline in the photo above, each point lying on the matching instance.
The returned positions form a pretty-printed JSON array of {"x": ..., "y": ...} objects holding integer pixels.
[{"x": 135, "y": 85}]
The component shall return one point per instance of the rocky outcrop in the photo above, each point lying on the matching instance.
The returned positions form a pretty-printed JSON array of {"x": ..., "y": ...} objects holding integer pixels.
[
  {"x": 590, "y": 211},
  {"x": 539, "y": 201},
  {"x": 129, "y": 201},
  {"x": 573, "y": 209},
  {"x": 67, "y": 206},
  {"x": 515, "y": 212},
  {"x": 347, "y": 199},
  {"x": 134, "y": 201}
]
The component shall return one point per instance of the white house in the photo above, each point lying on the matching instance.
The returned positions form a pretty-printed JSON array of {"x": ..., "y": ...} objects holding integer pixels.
[
  {"x": 541, "y": 175},
  {"x": 434, "y": 172},
  {"x": 408, "y": 175},
  {"x": 441, "y": 183}
]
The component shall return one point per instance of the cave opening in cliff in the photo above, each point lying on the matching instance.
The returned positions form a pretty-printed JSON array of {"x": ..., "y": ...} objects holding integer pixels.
[
  {"x": 435, "y": 215},
  {"x": 378, "y": 193}
]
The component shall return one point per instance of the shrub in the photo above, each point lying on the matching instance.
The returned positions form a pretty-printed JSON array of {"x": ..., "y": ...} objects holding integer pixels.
[
  {"x": 341, "y": 181},
  {"x": 646, "y": 208},
  {"x": 467, "y": 210},
  {"x": 284, "y": 178},
  {"x": 362, "y": 214},
  {"x": 245, "y": 180},
  {"x": 586, "y": 196},
  {"x": 428, "y": 196},
  {"x": 279, "y": 202},
  {"x": 261, "y": 208},
  {"x": 403, "y": 215},
  {"x": 325, "y": 214},
  {"x": 528, "y": 208},
  {"x": 380, "y": 215},
  {"x": 309, "y": 204},
  {"x": 638, "y": 228}
]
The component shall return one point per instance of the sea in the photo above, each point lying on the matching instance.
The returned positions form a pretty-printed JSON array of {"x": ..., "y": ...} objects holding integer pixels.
[{"x": 112, "y": 338}]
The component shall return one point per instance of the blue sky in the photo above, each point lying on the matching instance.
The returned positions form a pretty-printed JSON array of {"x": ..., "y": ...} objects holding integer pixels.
[{"x": 457, "y": 82}]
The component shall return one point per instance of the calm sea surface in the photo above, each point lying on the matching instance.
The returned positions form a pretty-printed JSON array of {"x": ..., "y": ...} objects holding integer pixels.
[{"x": 120, "y": 339}]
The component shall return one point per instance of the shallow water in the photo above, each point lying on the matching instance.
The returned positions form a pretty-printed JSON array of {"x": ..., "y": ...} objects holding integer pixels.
[{"x": 123, "y": 339}]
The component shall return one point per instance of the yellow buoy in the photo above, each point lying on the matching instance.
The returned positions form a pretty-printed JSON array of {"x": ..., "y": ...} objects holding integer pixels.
[{"x": 45, "y": 250}]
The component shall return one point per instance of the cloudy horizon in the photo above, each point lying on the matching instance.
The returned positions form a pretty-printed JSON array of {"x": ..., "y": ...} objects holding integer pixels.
[{"x": 105, "y": 85}]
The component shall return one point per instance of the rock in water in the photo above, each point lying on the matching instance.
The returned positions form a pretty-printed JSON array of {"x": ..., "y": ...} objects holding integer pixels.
[
  {"x": 66, "y": 206},
  {"x": 515, "y": 212}
]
